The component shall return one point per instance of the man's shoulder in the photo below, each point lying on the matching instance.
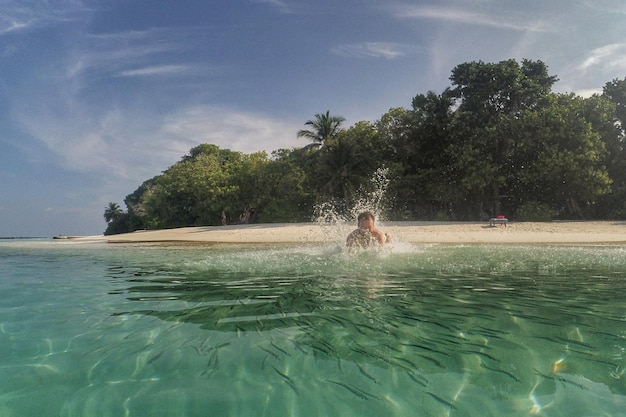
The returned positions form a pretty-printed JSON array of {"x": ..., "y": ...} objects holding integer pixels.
[{"x": 359, "y": 237}]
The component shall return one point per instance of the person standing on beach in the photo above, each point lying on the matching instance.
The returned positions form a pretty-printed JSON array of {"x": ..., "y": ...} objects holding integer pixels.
[
  {"x": 367, "y": 233},
  {"x": 223, "y": 218}
]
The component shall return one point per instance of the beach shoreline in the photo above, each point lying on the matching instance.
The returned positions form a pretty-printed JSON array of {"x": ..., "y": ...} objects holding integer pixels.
[{"x": 555, "y": 232}]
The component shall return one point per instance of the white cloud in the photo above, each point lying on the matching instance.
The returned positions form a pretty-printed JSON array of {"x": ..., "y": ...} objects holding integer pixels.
[
  {"x": 385, "y": 50},
  {"x": 157, "y": 70},
  {"x": 596, "y": 68},
  {"x": 510, "y": 21},
  {"x": 281, "y": 5},
  {"x": 236, "y": 130},
  {"x": 608, "y": 57},
  {"x": 608, "y": 6},
  {"x": 131, "y": 53},
  {"x": 21, "y": 15},
  {"x": 7, "y": 26},
  {"x": 127, "y": 144},
  {"x": 588, "y": 92}
]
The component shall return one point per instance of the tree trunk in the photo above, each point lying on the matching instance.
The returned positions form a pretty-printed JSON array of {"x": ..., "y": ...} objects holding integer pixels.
[{"x": 496, "y": 200}]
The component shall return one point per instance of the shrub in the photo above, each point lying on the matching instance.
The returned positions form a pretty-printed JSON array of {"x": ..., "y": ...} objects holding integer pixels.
[{"x": 535, "y": 212}]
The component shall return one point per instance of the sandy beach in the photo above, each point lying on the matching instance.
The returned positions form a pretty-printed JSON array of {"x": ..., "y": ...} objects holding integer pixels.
[{"x": 558, "y": 232}]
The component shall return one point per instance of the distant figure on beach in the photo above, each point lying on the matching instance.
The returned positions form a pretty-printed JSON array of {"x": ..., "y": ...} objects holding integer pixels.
[
  {"x": 223, "y": 218},
  {"x": 245, "y": 217},
  {"x": 366, "y": 233}
]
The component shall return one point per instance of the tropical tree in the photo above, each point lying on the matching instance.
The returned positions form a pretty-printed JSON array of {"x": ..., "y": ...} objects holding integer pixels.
[
  {"x": 323, "y": 128},
  {"x": 492, "y": 97},
  {"x": 284, "y": 193},
  {"x": 112, "y": 212},
  {"x": 195, "y": 190},
  {"x": 559, "y": 157},
  {"x": 607, "y": 113},
  {"x": 616, "y": 92},
  {"x": 343, "y": 167},
  {"x": 422, "y": 182}
]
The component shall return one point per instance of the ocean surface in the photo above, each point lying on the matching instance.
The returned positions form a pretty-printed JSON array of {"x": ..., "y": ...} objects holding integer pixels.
[{"x": 95, "y": 329}]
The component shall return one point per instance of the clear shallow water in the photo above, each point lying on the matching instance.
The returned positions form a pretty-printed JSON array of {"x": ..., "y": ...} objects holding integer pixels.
[{"x": 123, "y": 330}]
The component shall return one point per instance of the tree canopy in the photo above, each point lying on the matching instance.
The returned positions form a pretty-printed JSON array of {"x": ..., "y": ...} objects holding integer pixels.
[
  {"x": 498, "y": 140},
  {"x": 324, "y": 127}
]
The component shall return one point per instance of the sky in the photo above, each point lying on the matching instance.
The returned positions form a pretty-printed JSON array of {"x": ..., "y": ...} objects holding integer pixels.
[{"x": 98, "y": 96}]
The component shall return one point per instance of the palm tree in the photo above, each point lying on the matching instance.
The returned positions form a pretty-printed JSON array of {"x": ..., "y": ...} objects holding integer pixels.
[
  {"x": 342, "y": 168},
  {"x": 324, "y": 127},
  {"x": 112, "y": 212}
]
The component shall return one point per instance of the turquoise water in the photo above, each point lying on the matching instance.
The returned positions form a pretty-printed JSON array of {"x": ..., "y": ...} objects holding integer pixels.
[{"x": 420, "y": 330}]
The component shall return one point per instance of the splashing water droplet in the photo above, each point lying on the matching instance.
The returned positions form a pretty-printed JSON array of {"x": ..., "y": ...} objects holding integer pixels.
[{"x": 333, "y": 215}]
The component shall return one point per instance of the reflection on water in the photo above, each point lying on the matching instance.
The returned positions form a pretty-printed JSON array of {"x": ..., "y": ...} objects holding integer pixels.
[{"x": 417, "y": 330}]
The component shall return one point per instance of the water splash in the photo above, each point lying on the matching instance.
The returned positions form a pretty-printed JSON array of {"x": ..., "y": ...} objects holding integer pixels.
[
  {"x": 337, "y": 217},
  {"x": 372, "y": 197}
]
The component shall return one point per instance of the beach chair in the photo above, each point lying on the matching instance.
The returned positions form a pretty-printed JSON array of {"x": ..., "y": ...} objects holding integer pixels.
[{"x": 494, "y": 221}]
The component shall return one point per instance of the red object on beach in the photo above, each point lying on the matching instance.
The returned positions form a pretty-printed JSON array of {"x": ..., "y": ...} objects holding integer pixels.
[{"x": 501, "y": 217}]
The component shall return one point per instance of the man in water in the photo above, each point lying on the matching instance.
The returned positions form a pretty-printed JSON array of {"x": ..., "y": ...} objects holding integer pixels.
[{"x": 367, "y": 233}]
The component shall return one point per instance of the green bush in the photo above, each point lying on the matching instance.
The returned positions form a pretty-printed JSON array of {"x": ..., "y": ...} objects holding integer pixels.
[
  {"x": 441, "y": 217},
  {"x": 535, "y": 212}
]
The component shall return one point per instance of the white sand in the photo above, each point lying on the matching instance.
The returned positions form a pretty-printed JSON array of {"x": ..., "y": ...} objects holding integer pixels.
[{"x": 586, "y": 232}]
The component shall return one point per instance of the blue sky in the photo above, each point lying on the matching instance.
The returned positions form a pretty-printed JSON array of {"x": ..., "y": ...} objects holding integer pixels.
[{"x": 98, "y": 96}]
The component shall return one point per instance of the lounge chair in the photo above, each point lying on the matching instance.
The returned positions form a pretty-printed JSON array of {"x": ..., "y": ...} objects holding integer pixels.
[{"x": 494, "y": 221}]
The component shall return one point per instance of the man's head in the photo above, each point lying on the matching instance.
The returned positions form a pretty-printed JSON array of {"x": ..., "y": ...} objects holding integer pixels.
[{"x": 366, "y": 220}]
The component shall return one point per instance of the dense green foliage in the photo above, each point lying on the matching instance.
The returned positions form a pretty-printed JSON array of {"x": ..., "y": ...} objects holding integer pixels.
[{"x": 498, "y": 140}]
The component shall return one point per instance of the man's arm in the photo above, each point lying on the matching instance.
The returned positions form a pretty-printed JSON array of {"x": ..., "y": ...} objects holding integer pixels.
[{"x": 380, "y": 236}]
